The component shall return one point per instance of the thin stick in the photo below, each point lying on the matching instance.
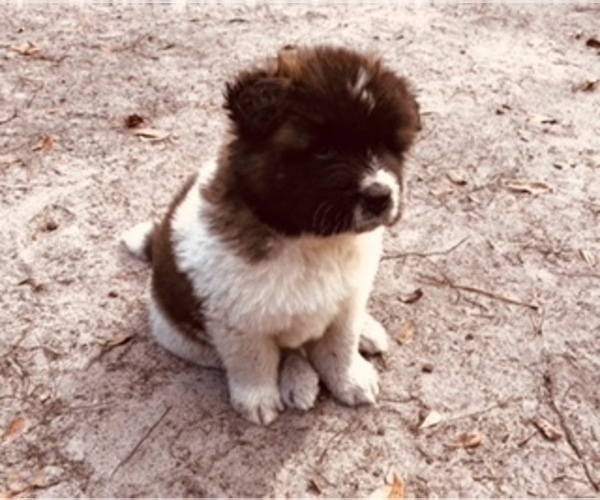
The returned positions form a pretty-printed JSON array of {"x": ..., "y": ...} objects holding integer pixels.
[
  {"x": 427, "y": 254},
  {"x": 479, "y": 291},
  {"x": 346, "y": 430},
  {"x": 140, "y": 442},
  {"x": 11, "y": 117}
]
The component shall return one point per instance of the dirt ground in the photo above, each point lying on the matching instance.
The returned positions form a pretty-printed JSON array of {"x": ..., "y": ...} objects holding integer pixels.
[{"x": 500, "y": 236}]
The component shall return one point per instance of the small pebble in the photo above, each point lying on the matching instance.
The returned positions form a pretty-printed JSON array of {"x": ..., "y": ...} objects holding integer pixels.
[{"x": 427, "y": 368}]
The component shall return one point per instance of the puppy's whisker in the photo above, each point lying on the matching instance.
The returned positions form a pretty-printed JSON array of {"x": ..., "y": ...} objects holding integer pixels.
[
  {"x": 326, "y": 215},
  {"x": 315, "y": 218},
  {"x": 320, "y": 215}
]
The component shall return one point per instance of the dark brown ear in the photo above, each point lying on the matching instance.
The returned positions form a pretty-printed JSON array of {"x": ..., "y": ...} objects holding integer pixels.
[{"x": 255, "y": 103}]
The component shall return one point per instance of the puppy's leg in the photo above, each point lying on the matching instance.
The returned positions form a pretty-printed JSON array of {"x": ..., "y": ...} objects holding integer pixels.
[
  {"x": 351, "y": 378},
  {"x": 298, "y": 381},
  {"x": 251, "y": 363},
  {"x": 168, "y": 336},
  {"x": 373, "y": 337}
]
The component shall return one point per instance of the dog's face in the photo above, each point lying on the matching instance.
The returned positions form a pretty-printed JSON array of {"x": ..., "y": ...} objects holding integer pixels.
[{"x": 319, "y": 140}]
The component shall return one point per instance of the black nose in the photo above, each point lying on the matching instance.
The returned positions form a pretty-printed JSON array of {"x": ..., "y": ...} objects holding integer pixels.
[{"x": 376, "y": 198}]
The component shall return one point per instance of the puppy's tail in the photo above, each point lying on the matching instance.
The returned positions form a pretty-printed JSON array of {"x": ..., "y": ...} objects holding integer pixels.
[{"x": 138, "y": 240}]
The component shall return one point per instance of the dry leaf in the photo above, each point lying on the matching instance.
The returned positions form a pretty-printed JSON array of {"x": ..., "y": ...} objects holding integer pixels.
[
  {"x": 397, "y": 491},
  {"x": 394, "y": 491},
  {"x": 152, "y": 134},
  {"x": 119, "y": 340},
  {"x": 39, "y": 480},
  {"x": 469, "y": 439},
  {"x": 9, "y": 159},
  {"x": 593, "y": 43},
  {"x": 405, "y": 334},
  {"x": 133, "y": 121},
  {"x": 442, "y": 191},
  {"x": 14, "y": 428},
  {"x": 411, "y": 297},
  {"x": 428, "y": 368},
  {"x": 588, "y": 86},
  {"x": 313, "y": 483},
  {"x": 550, "y": 432},
  {"x": 542, "y": 119},
  {"x": 27, "y": 49},
  {"x": 456, "y": 178},
  {"x": 431, "y": 420},
  {"x": 529, "y": 187},
  {"x": 523, "y": 135},
  {"x": 35, "y": 285},
  {"x": 588, "y": 257},
  {"x": 46, "y": 143},
  {"x": 474, "y": 198}
]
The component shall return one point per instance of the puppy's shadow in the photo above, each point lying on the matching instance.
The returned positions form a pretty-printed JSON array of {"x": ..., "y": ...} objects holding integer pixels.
[{"x": 164, "y": 427}]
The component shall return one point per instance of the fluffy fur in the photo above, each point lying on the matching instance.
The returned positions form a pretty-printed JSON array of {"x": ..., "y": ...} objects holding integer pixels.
[{"x": 265, "y": 260}]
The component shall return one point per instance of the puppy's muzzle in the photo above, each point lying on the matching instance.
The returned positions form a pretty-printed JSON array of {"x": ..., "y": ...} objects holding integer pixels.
[{"x": 376, "y": 199}]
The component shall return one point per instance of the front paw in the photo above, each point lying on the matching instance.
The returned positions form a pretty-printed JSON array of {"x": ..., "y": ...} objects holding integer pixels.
[
  {"x": 257, "y": 404},
  {"x": 358, "y": 384},
  {"x": 373, "y": 337},
  {"x": 298, "y": 382}
]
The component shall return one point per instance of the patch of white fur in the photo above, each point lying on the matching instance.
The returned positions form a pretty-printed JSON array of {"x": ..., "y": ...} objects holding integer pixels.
[
  {"x": 357, "y": 385},
  {"x": 390, "y": 180},
  {"x": 373, "y": 337},
  {"x": 362, "y": 78},
  {"x": 381, "y": 176},
  {"x": 359, "y": 88},
  {"x": 363, "y": 218},
  {"x": 285, "y": 300},
  {"x": 136, "y": 239},
  {"x": 169, "y": 337},
  {"x": 257, "y": 403}
]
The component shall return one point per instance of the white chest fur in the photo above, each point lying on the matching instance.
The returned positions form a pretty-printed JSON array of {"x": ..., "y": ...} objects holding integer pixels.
[{"x": 293, "y": 294}]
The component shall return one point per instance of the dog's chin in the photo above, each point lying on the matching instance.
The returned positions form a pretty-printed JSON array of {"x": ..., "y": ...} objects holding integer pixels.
[
  {"x": 363, "y": 223},
  {"x": 357, "y": 222}
]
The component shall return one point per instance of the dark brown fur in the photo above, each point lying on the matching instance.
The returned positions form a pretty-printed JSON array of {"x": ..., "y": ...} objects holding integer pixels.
[
  {"x": 171, "y": 288},
  {"x": 232, "y": 220},
  {"x": 302, "y": 139}
]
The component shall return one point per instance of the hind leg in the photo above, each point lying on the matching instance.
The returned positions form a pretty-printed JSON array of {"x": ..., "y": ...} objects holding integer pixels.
[{"x": 174, "y": 341}]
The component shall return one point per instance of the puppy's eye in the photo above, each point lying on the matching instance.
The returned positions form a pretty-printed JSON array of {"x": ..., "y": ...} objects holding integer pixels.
[{"x": 324, "y": 154}]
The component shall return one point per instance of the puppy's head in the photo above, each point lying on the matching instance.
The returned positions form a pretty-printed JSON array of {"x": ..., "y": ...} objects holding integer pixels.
[{"x": 319, "y": 139}]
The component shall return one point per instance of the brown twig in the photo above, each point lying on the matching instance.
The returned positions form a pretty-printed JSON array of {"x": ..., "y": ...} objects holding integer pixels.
[
  {"x": 551, "y": 393},
  {"x": 425, "y": 254},
  {"x": 346, "y": 430},
  {"x": 140, "y": 442},
  {"x": 467, "y": 288},
  {"x": 526, "y": 440}
]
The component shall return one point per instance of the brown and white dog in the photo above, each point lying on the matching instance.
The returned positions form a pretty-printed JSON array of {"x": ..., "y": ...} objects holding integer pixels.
[{"x": 275, "y": 246}]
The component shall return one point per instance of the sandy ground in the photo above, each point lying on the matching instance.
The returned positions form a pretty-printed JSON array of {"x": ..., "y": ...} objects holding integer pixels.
[{"x": 501, "y": 237}]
